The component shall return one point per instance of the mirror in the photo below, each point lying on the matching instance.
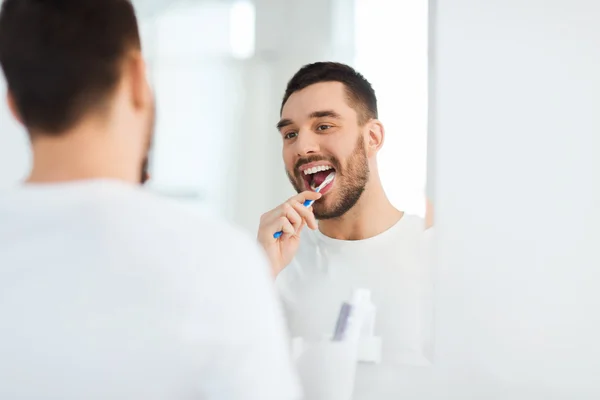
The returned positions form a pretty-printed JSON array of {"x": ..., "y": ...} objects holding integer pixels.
[
  {"x": 220, "y": 70},
  {"x": 218, "y": 150}
]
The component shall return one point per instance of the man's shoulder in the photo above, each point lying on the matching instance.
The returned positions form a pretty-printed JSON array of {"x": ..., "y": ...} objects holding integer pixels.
[
  {"x": 411, "y": 230},
  {"x": 184, "y": 227},
  {"x": 414, "y": 221},
  {"x": 129, "y": 221},
  {"x": 160, "y": 211}
]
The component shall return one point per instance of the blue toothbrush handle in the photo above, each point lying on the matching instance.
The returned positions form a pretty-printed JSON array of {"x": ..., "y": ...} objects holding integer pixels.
[{"x": 307, "y": 203}]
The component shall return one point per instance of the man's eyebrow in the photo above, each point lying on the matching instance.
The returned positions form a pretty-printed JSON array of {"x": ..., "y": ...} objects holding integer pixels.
[
  {"x": 325, "y": 113},
  {"x": 315, "y": 114},
  {"x": 283, "y": 123}
]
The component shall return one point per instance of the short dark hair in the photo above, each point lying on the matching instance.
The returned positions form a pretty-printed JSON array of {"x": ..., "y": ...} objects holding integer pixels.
[
  {"x": 63, "y": 58},
  {"x": 361, "y": 95}
]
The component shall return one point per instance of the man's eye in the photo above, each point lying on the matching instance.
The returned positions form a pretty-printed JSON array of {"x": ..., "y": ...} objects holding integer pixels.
[
  {"x": 323, "y": 127},
  {"x": 290, "y": 135}
]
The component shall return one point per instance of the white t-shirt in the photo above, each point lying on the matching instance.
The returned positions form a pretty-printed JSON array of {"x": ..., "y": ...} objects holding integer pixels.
[
  {"x": 108, "y": 292},
  {"x": 393, "y": 265}
]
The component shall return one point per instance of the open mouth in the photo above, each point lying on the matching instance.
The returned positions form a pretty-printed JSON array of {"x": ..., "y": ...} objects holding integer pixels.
[{"x": 315, "y": 176}]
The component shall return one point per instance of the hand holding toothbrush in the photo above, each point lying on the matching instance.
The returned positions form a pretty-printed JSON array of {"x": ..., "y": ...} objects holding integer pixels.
[{"x": 288, "y": 218}]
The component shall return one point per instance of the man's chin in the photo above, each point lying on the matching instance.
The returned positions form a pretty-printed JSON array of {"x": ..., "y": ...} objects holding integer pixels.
[
  {"x": 324, "y": 216},
  {"x": 322, "y": 211}
]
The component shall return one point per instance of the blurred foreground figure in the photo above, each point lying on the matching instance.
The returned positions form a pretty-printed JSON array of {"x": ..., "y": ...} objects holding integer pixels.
[{"x": 106, "y": 292}]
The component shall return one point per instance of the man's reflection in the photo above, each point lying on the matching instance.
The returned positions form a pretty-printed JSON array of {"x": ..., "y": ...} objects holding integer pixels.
[{"x": 329, "y": 124}]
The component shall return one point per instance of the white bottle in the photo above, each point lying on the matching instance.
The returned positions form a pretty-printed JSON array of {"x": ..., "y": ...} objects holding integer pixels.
[
  {"x": 363, "y": 297},
  {"x": 369, "y": 345},
  {"x": 365, "y": 312}
]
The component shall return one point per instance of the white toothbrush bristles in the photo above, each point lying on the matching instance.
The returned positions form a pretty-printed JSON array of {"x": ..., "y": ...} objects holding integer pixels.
[{"x": 326, "y": 182}]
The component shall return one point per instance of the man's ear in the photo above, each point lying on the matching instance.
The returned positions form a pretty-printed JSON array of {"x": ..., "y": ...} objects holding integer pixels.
[
  {"x": 376, "y": 135},
  {"x": 12, "y": 106},
  {"x": 135, "y": 68}
]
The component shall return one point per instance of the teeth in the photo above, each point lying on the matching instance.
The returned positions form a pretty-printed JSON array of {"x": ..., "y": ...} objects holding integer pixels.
[{"x": 314, "y": 170}]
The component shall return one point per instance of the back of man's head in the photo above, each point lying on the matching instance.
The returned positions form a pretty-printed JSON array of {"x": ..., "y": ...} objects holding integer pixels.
[{"x": 62, "y": 59}]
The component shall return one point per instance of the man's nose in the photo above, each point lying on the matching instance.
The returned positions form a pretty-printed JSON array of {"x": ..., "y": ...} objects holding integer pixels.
[{"x": 307, "y": 143}]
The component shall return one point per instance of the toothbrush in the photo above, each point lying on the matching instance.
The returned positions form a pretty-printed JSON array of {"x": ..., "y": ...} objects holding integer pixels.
[{"x": 309, "y": 203}]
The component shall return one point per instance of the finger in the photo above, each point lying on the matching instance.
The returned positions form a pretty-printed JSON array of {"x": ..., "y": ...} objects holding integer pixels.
[
  {"x": 296, "y": 233},
  {"x": 285, "y": 226},
  {"x": 306, "y": 195},
  {"x": 301, "y": 226},
  {"x": 271, "y": 223},
  {"x": 292, "y": 215},
  {"x": 307, "y": 215},
  {"x": 315, "y": 224}
]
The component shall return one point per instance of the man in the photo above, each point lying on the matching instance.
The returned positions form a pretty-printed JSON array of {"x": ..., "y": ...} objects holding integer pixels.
[
  {"x": 107, "y": 292},
  {"x": 360, "y": 240}
]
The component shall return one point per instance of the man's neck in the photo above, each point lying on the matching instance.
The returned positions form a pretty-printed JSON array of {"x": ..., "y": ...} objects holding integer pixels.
[
  {"x": 80, "y": 155},
  {"x": 370, "y": 216}
]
